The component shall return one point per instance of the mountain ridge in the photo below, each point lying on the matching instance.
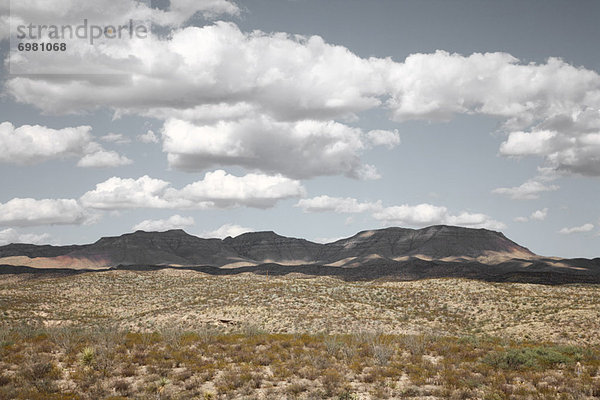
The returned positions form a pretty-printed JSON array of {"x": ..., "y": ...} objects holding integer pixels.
[
  {"x": 387, "y": 253},
  {"x": 176, "y": 246}
]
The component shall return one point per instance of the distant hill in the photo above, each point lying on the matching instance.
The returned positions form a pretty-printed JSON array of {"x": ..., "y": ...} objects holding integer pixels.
[
  {"x": 391, "y": 253},
  {"x": 438, "y": 241}
]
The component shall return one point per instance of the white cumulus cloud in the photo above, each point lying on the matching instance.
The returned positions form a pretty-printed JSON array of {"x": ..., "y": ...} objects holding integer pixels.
[
  {"x": 532, "y": 143},
  {"x": 288, "y": 77},
  {"x": 219, "y": 78},
  {"x": 160, "y": 225},
  {"x": 223, "y": 190},
  {"x": 122, "y": 193},
  {"x": 419, "y": 215},
  {"x": 223, "y": 231},
  {"x": 428, "y": 214},
  {"x": 337, "y": 204},
  {"x": 273, "y": 97},
  {"x": 148, "y": 137},
  {"x": 33, "y": 144},
  {"x": 549, "y": 109},
  {"x": 438, "y": 85},
  {"x": 116, "y": 11},
  {"x": 539, "y": 215},
  {"x": 181, "y": 10},
  {"x": 577, "y": 229},
  {"x": 325, "y": 240},
  {"x": 117, "y": 138},
  {"x": 32, "y": 212},
  {"x": 379, "y": 137},
  {"x": 301, "y": 149},
  {"x": 218, "y": 189},
  {"x": 10, "y": 235},
  {"x": 103, "y": 159},
  {"x": 563, "y": 152},
  {"x": 529, "y": 190},
  {"x": 474, "y": 220}
]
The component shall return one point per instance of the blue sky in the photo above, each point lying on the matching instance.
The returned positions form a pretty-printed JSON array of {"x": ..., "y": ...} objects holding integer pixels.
[{"x": 313, "y": 119}]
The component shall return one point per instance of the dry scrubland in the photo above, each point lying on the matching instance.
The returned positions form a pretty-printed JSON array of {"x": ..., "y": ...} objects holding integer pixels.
[{"x": 175, "y": 334}]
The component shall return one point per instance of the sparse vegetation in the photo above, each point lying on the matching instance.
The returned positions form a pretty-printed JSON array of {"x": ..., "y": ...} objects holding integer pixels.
[
  {"x": 184, "y": 335},
  {"x": 215, "y": 366}
]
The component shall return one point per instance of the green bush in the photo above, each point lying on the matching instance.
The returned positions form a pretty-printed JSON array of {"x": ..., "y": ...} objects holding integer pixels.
[{"x": 533, "y": 358}]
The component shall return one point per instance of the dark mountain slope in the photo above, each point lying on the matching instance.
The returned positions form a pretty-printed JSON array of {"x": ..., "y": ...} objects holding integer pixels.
[
  {"x": 261, "y": 246},
  {"x": 170, "y": 247},
  {"x": 32, "y": 250},
  {"x": 435, "y": 241}
]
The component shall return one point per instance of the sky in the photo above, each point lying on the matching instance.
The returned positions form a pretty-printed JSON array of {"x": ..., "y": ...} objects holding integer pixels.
[{"x": 314, "y": 119}]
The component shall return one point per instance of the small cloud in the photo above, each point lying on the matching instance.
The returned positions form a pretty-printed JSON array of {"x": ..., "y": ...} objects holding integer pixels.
[
  {"x": 116, "y": 138},
  {"x": 103, "y": 159},
  {"x": 474, "y": 220},
  {"x": 539, "y": 215},
  {"x": 389, "y": 139},
  {"x": 419, "y": 215},
  {"x": 148, "y": 137},
  {"x": 337, "y": 204},
  {"x": 160, "y": 225},
  {"x": 547, "y": 174},
  {"x": 530, "y": 143},
  {"x": 226, "y": 230},
  {"x": 577, "y": 229},
  {"x": 428, "y": 214},
  {"x": 529, "y": 190},
  {"x": 326, "y": 240}
]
